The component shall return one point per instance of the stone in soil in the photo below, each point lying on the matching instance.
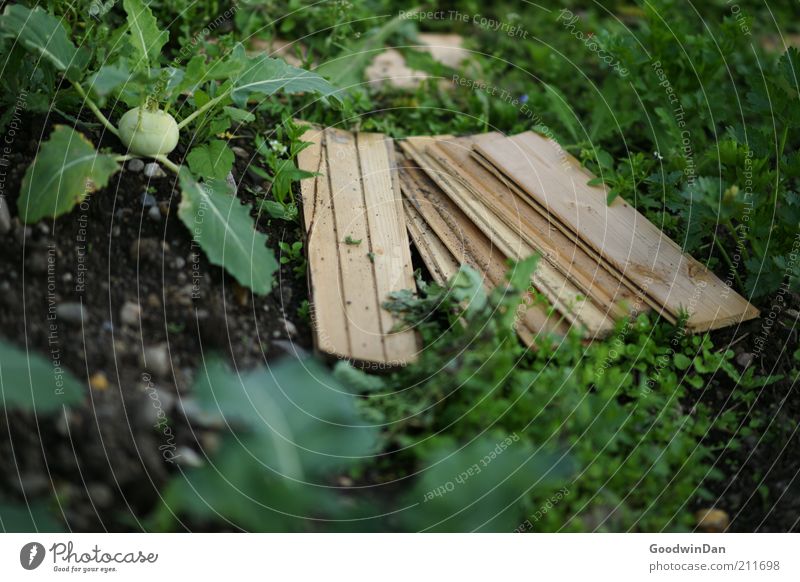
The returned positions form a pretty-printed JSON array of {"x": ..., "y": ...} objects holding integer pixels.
[
  {"x": 154, "y": 213},
  {"x": 135, "y": 165},
  {"x": 71, "y": 312},
  {"x": 153, "y": 170},
  {"x": 148, "y": 200},
  {"x": 131, "y": 313},
  {"x": 5, "y": 216},
  {"x": 99, "y": 381},
  {"x": 156, "y": 359},
  {"x": 187, "y": 457}
]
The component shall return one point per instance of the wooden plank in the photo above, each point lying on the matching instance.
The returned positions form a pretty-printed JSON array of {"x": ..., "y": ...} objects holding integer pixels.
[
  {"x": 562, "y": 293},
  {"x": 558, "y": 249},
  {"x": 328, "y": 312},
  {"x": 469, "y": 245},
  {"x": 641, "y": 300},
  {"x": 624, "y": 239},
  {"x": 356, "y": 197},
  {"x": 386, "y": 236},
  {"x": 440, "y": 262}
]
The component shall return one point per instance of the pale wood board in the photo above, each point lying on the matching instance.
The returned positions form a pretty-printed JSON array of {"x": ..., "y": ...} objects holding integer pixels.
[
  {"x": 558, "y": 249},
  {"x": 562, "y": 293},
  {"x": 641, "y": 301},
  {"x": 617, "y": 232},
  {"x": 469, "y": 245},
  {"x": 355, "y": 196}
]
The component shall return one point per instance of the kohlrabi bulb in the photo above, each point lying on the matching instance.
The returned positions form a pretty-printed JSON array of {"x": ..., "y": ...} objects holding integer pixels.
[{"x": 148, "y": 133}]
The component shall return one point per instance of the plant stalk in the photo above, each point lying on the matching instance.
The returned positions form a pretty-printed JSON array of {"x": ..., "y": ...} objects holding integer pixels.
[
  {"x": 96, "y": 110},
  {"x": 202, "y": 110},
  {"x": 727, "y": 258},
  {"x": 165, "y": 160}
]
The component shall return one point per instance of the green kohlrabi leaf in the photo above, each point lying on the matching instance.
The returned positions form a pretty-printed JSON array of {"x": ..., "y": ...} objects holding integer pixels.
[
  {"x": 224, "y": 229},
  {"x": 212, "y": 160},
  {"x": 66, "y": 169},
  {"x": 44, "y": 35},
  {"x": 480, "y": 487},
  {"x": 266, "y": 76},
  {"x": 27, "y": 518},
  {"x": 295, "y": 425},
  {"x": 109, "y": 79},
  {"x": 31, "y": 383},
  {"x": 145, "y": 38}
]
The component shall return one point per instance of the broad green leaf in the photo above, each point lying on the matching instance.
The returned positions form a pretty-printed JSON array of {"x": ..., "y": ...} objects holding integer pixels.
[
  {"x": 30, "y": 382},
  {"x": 27, "y": 518},
  {"x": 66, "y": 169},
  {"x": 280, "y": 211},
  {"x": 224, "y": 229},
  {"x": 294, "y": 425},
  {"x": 307, "y": 415},
  {"x": 481, "y": 486},
  {"x": 43, "y": 34},
  {"x": 145, "y": 38},
  {"x": 266, "y": 76},
  {"x": 357, "y": 380},
  {"x": 108, "y": 79},
  {"x": 211, "y": 160},
  {"x": 239, "y": 115}
]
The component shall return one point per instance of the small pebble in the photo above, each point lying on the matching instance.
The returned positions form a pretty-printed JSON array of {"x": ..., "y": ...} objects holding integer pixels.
[
  {"x": 744, "y": 359},
  {"x": 71, "y": 312},
  {"x": 135, "y": 165},
  {"x": 154, "y": 213},
  {"x": 153, "y": 301},
  {"x": 241, "y": 294},
  {"x": 148, "y": 200},
  {"x": 5, "y": 216},
  {"x": 156, "y": 359},
  {"x": 231, "y": 181},
  {"x": 37, "y": 261},
  {"x": 240, "y": 152},
  {"x": 98, "y": 381},
  {"x": 131, "y": 313},
  {"x": 187, "y": 457},
  {"x": 101, "y": 495},
  {"x": 712, "y": 520},
  {"x": 291, "y": 329},
  {"x": 153, "y": 170},
  {"x": 180, "y": 262}
]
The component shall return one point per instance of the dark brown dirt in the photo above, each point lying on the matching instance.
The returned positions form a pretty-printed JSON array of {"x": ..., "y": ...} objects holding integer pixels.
[{"x": 108, "y": 459}]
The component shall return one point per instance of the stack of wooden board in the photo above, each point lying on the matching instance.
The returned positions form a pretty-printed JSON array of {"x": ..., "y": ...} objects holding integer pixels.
[
  {"x": 479, "y": 201},
  {"x": 599, "y": 261},
  {"x": 357, "y": 246}
]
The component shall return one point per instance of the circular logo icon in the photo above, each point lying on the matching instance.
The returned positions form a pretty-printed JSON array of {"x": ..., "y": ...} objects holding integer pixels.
[{"x": 31, "y": 555}]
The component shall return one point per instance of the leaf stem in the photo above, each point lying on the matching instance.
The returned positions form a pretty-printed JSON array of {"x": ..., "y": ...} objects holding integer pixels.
[
  {"x": 203, "y": 109},
  {"x": 165, "y": 160},
  {"x": 726, "y": 256},
  {"x": 91, "y": 105}
]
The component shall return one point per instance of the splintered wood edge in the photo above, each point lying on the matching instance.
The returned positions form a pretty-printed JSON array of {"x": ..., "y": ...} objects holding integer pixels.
[
  {"x": 564, "y": 295},
  {"x": 535, "y": 318}
]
